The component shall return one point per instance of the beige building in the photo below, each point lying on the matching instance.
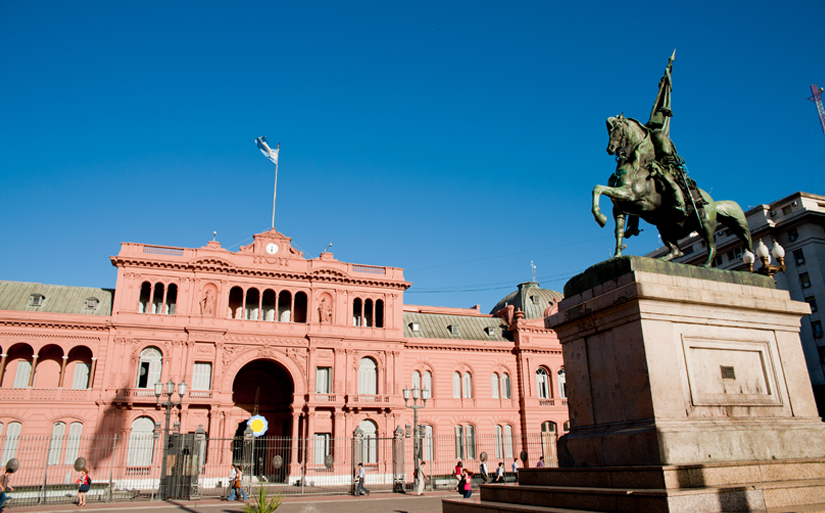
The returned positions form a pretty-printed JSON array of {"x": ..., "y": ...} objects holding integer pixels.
[{"x": 797, "y": 222}]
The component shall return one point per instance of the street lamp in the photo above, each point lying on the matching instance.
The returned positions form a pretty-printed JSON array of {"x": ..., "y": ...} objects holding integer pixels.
[
  {"x": 424, "y": 395},
  {"x": 764, "y": 255},
  {"x": 169, "y": 403}
]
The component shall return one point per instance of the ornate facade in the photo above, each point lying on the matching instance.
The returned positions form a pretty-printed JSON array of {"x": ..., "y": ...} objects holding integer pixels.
[{"x": 316, "y": 346}]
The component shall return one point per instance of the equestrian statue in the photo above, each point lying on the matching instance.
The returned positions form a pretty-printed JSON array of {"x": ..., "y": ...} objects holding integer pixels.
[{"x": 651, "y": 182}]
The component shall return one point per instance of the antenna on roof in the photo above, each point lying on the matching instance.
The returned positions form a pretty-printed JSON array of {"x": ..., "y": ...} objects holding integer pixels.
[{"x": 533, "y": 268}]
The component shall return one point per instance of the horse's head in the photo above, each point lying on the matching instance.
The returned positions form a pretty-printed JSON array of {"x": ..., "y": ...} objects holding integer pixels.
[{"x": 617, "y": 131}]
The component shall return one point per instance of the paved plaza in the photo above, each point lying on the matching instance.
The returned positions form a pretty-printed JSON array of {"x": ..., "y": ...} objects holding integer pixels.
[{"x": 375, "y": 503}]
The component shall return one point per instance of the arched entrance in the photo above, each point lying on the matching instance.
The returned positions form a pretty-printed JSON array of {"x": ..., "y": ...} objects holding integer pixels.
[{"x": 264, "y": 387}]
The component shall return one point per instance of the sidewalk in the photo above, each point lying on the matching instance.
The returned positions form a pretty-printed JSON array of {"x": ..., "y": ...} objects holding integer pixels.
[{"x": 375, "y": 503}]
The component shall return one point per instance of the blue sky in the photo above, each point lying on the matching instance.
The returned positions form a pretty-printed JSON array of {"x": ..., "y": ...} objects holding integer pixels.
[{"x": 458, "y": 140}]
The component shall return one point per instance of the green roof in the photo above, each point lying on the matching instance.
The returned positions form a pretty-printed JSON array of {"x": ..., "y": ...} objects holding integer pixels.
[
  {"x": 18, "y": 295},
  {"x": 455, "y": 327},
  {"x": 530, "y": 299}
]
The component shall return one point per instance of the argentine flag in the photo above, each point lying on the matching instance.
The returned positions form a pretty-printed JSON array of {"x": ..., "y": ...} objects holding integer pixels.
[{"x": 268, "y": 152}]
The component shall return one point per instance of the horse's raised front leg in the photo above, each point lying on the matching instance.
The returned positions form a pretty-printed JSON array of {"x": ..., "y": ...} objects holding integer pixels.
[{"x": 617, "y": 193}]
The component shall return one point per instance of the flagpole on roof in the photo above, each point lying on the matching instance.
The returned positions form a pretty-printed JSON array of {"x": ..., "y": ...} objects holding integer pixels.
[
  {"x": 275, "y": 189},
  {"x": 272, "y": 156}
]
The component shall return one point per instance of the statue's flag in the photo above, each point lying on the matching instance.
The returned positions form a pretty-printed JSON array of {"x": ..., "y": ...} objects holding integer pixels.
[{"x": 268, "y": 152}]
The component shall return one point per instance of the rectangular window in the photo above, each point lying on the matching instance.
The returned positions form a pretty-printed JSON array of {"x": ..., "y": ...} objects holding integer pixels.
[
  {"x": 805, "y": 280},
  {"x": 494, "y": 385},
  {"x": 499, "y": 442},
  {"x": 320, "y": 447},
  {"x": 817, "y": 327},
  {"x": 786, "y": 210},
  {"x": 471, "y": 442},
  {"x": 812, "y": 302},
  {"x": 508, "y": 441},
  {"x": 793, "y": 234},
  {"x": 799, "y": 256},
  {"x": 505, "y": 386},
  {"x": 468, "y": 386},
  {"x": 80, "y": 381},
  {"x": 202, "y": 376},
  {"x": 322, "y": 380},
  {"x": 10, "y": 444},
  {"x": 456, "y": 385}
]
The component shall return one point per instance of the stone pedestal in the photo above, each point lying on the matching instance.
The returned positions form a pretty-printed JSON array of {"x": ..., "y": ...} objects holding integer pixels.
[
  {"x": 672, "y": 364},
  {"x": 687, "y": 391}
]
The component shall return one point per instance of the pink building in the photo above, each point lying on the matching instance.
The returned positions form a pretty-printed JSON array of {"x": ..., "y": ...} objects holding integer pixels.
[{"x": 316, "y": 346}]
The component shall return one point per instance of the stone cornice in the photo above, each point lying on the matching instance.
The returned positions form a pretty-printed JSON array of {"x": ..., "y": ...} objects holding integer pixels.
[
  {"x": 26, "y": 334},
  {"x": 45, "y": 324},
  {"x": 222, "y": 266}
]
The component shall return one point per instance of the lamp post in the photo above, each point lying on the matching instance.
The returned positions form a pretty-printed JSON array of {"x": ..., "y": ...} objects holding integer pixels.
[
  {"x": 169, "y": 403},
  {"x": 764, "y": 255},
  {"x": 416, "y": 394}
]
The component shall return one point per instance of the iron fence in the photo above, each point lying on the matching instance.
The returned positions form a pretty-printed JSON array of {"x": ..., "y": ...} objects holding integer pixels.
[{"x": 130, "y": 468}]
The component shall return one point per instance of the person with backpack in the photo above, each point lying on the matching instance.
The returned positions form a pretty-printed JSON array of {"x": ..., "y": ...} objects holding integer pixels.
[
  {"x": 85, "y": 484},
  {"x": 5, "y": 487},
  {"x": 236, "y": 483}
]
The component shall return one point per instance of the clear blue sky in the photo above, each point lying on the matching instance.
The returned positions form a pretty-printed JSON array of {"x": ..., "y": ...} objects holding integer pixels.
[{"x": 458, "y": 140}]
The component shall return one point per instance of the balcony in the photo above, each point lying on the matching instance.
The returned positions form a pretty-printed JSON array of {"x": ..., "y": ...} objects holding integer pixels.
[{"x": 44, "y": 394}]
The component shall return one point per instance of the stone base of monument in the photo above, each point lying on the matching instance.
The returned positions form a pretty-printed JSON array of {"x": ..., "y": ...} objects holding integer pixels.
[{"x": 688, "y": 391}]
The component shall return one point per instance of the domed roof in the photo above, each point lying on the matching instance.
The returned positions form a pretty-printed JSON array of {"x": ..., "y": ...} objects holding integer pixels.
[{"x": 530, "y": 299}]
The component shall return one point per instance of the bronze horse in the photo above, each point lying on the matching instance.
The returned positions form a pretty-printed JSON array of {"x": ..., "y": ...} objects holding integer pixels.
[{"x": 636, "y": 192}]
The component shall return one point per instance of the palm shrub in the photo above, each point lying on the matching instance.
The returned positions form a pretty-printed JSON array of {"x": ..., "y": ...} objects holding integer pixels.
[{"x": 264, "y": 503}]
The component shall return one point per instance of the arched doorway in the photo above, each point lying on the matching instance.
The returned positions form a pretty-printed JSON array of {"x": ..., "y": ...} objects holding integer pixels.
[{"x": 264, "y": 387}]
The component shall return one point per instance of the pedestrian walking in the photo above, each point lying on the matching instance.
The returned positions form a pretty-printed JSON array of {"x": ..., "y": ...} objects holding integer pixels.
[
  {"x": 515, "y": 469},
  {"x": 540, "y": 464},
  {"x": 420, "y": 477},
  {"x": 468, "y": 483},
  {"x": 484, "y": 475},
  {"x": 85, "y": 483},
  {"x": 457, "y": 474},
  {"x": 499, "y": 473},
  {"x": 236, "y": 483},
  {"x": 5, "y": 487},
  {"x": 360, "y": 477}
]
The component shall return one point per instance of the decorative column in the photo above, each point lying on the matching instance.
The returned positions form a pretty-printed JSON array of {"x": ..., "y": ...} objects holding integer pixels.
[
  {"x": 2, "y": 367},
  {"x": 34, "y": 369},
  {"x": 62, "y": 372},
  {"x": 92, "y": 374}
]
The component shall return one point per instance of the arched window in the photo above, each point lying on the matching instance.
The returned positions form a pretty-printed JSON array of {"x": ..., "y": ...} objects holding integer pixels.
[
  {"x": 367, "y": 377},
  {"x": 251, "y": 306},
  {"x": 468, "y": 385},
  {"x": 505, "y": 386},
  {"x": 428, "y": 442},
  {"x": 562, "y": 384},
  {"x": 369, "y": 447},
  {"x": 566, "y": 426},
  {"x": 300, "y": 307},
  {"x": 141, "y": 443},
  {"x": 157, "y": 299},
  {"x": 379, "y": 313},
  {"x": 499, "y": 442},
  {"x": 73, "y": 442},
  {"x": 368, "y": 314},
  {"x": 285, "y": 306},
  {"x": 416, "y": 380},
  {"x": 494, "y": 385},
  {"x": 56, "y": 443},
  {"x": 542, "y": 383},
  {"x": 465, "y": 442},
  {"x": 268, "y": 305},
  {"x": 356, "y": 312},
  {"x": 171, "y": 299},
  {"x": 508, "y": 441},
  {"x": 10, "y": 445},
  {"x": 456, "y": 385},
  {"x": 235, "y": 303},
  {"x": 149, "y": 368},
  {"x": 145, "y": 291},
  {"x": 428, "y": 382}
]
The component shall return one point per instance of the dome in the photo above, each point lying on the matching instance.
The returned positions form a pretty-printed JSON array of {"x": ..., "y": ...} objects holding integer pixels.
[{"x": 531, "y": 299}]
